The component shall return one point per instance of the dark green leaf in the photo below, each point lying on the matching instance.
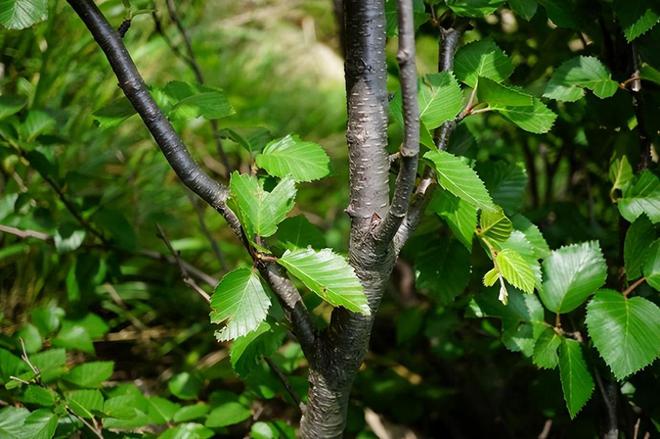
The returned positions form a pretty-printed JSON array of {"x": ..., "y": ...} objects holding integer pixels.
[
  {"x": 635, "y": 246},
  {"x": 576, "y": 381}
]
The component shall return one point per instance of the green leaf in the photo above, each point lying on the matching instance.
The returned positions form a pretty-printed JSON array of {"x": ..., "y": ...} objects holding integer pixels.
[
  {"x": 47, "y": 319},
  {"x": 440, "y": 99},
  {"x": 91, "y": 374},
  {"x": 114, "y": 113},
  {"x": 635, "y": 246},
  {"x": 10, "y": 365},
  {"x": 577, "y": 73},
  {"x": 572, "y": 274},
  {"x": 31, "y": 338},
  {"x": 185, "y": 385},
  {"x": 246, "y": 351},
  {"x": 48, "y": 360},
  {"x": 482, "y": 58},
  {"x": 190, "y": 412},
  {"x": 545, "y": 350},
  {"x": 649, "y": 73},
  {"x": 537, "y": 118},
  {"x": 42, "y": 396},
  {"x": 474, "y": 8},
  {"x": 626, "y": 331},
  {"x": 524, "y": 8},
  {"x": 505, "y": 182},
  {"x": 651, "y": 269},
  {"x": 458, "y": 178},
  {"x": 516, "y": 270},
  {"x": 162, "y": 410},
  {"x": 643, "y": 196},
  {"x": 239, "y": 299},
  {"x": 37, "y": 123},
  {"x": 195, "y": 100},
  {"x": 189, "y": 430},
  {"x": 19, "y": 14},
  {"x": 519, "y": 243},
  {"x": 460, "y": 215},
  {"x": 41, "y": 424},
  {"x": 293, "y": 157},
  {"x": 253, "y": 140},
  {"x": 68, "y": 237},
  {"x": 260, "y": 211},
  {"x": 493, "y": 93},
  {"x": 491, "y": 277},
  {"x": 11, "y": 421},
  {"x": 11, "y": 104},
  {"x": 443, "y": 270},
  {"x": 228, "y": 413},
  {"x": 636, "y": 17},
  {"x": 85, "y": 403},
  {"x": 533, "y": 235},
  {"x": 576, "y": 381},
  {"x": 621, "y": 174},
  {"x": 298, "y": 232},
  {"x": 329, "y": 276},
  {"x": 494, "y": 225}
]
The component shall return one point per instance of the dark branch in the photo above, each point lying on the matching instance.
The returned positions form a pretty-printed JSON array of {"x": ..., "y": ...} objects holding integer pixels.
[
  {"x": 409, "y": 151},
  {"x": 285, "y": 382}
]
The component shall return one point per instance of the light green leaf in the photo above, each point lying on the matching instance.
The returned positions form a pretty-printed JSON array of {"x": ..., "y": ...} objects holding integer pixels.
[
  {"x": 537, "y": 118},
  {"x": 246, "y": 351},
  {"x": 41, "y": 424},
  {"x": 91, "y": 374},
  {"x": 240, "y": 299},
  {"x": 572, "y": 274},
  {"x": 636, "y": 245},
  {"x": 260, "y": 211},
  {"x": 516, "y": 270},
  {"x": 460, "y": 215},
  {"x": 19, "y": 14},
  {"x": 11, "y": 421},
  {"x": 643, "y": 196},
  {"x": 482, "y": 58},
  {"x": 533, "y": 235},
  {"x": 10, "y": 104},
  {"x": 458, "y": 178},
  {"x": 37, "y": 123},
  {"x": 493, "y": 93},
  {"x": 494, "y": 225},
  {"x": 185, "y": 385},
  {"x": 293, "y": 157},
  {"x": 491, "y": 277},
  {"x": 580, "y": 72},
  {"x": 626, "y": 331},
  {"x": 474, "y": 8},
  {"x": 519, "y": 243},
  {"x": 162, "y": 410},
  {"x": 194, "y": 100},
  {"x": 85, "y": 403},
  {"x": 636, "y": 17},
  {"x": 329, "y": 276},
  {"x": 188, "y": 430},
  {"x": 440, "y": 99},
  {"x": 576, "y": 381},
  {"x": 621, "y": 174},
  {"x": 228, "y": 413},
  {"x": 651, "y": 269},
  {"x": 506, "y": 183},
  {"x": 190, "y": 412},
  {"x": 524, "y": 8},
  {"x": 39, "y": 395},
  {"x": 545, "y": 350}
]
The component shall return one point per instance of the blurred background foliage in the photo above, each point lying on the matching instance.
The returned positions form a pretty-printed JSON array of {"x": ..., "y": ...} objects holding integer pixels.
[{"x": 94, "y": 194}]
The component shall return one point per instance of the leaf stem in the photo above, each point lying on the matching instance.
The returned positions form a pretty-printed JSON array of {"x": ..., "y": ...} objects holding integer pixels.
[{"x": 634, "y": 285}]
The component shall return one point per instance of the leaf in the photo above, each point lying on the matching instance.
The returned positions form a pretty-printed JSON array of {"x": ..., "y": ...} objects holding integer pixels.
[
  {"x": 11, "y": 421},
  {"x": 516, "y": 270},
  {"x": 651, "y": 269},
  {"x": 185, "y": 385},
  {"x": 649, "y": 73},
  {"x": 440, "y": 99},
  {"x": 10, "y": 104},
  {"x": 20, "y": 14},
  {"x": 38, "y": 395},
  {"x": 482, "y": 58},
  {"x": 47, "y": 318},
  {"x": 194, "y": 100},
  {"x": 636, "y": 17},
  {"x": 537, "y": 118},
  {"x": 524, "y": 8},
  {"x": 545, "y": 350},
  {"x": 489, "y": 91},
  {"x": 68, "y": 237},
  {"x": 491, "y": 277},
  {"x": 474, "y": 8},
  {"x": 635, "y": 246},
  {"x": 621, "y": 173},
  {"x": 239, "y": 299},
  {"x": 91, "y": 374},
  {"x": 533, "y": 235},
  {"x": 260, "y": 211},
  {"x": 298, "y": 232},
  {"x": 246, "y": 351},
  {"x": 443, "y": 270},
  {"x": 458, "y": 178},
  {"x": 460, "y": 215},
  {"x": 190, "y": 412},
  {"x": 36, "y": 123},
  {"x": 228, "y": 413},
  {"x": 85, "y": 403},
  {"x": 494, "y": 225},
  {"x": 580, "y": 72},
  {"x": 253, "y": 140},
  {"x": 329, "y": 276},
  {"x": 10, "y": 365},
  {"x": 518, "y": 242},
  {"x": 40, "y": 424},
  {"x": 505, "y": 182},
  {"x": 162, "y": 410},
  {"x": 293, "y": 157},
  {"x": 576, "y": 381},
  {"x": 572, "y": 274},
  {"x": 643, "y": 196},
  {"x": 626, "y": 331},
  {"x": 114, "y": 113},
  {"x": 189, "y": 430},
  {"x": 31, "y": 338}
]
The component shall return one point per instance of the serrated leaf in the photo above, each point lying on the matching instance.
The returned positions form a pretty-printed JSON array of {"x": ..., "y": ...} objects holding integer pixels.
[
  {"x": 635, "y": 246},
  {"x": 246, "y": 351},
  {"x": 91, "y": 374},
  {"x": 651, "y": 268},
  {"x": 293, "y": 157},
  {"x": 505, "y": 182},
  {"x": 443, "y": 270},
  {"x": 458, "y": 178},
  {"x": 626, "y": 331},
  {"x": 533, "y": 235},
  {"x": 515, "y": 269},
  {"x": 329, "y": 276},
  {"x": 643, "y": 196},
  {"x": 239, "y": 299},
  {"x": 524, "y": 8},
  {"x": 260, "y": 211},
  {"x": 482, "y": 58},
  {"x": 460, "y": 216},
  {"x": 39, "y": 395},
  {"x": 85, "y": 403},
  {"x": 572, "y": 274},
  {"x": 537, "y": 118},
  {"x": 440, "y": 99},
  {"x": 621, "y": 173},
  {"x": 636, "y": 17},
  {"x": 494, "y": 225},
  {"x": 20, "y": 14},
  {"x": 580, "y": 72},
  {"x": 474, "y": 8},
  {"x": 576, "y": 381},
  {"x": 493, "y": 93},
  {"x": 545, "y": 350}
]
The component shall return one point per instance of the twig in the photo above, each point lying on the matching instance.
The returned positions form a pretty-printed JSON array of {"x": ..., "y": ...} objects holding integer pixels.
[
  {"x": 285, "y": 381},
  {"x": 634, "y": 285},
  {"x": 547, "y": 425},
  {"x": 23, "y": 234},
  {"x": 184, "y": 274}
]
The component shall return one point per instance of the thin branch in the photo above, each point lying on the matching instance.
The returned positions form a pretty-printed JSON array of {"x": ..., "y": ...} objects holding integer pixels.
[
  {"x": 285, "y": 382},
  {"x": 638, "y": 107},
  {"x": 184, "y": 274},
  {"x": 409, "y": 150},
  {"x": 23, "y": 234},
  {"x": 634, "y": 285}
]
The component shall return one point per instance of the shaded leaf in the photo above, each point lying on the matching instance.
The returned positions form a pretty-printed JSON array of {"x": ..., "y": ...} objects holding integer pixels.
[
  {"x": 643, "y": 196},
  {"x": 635, "y": 246},
  {"x": 576, "y": 381}
]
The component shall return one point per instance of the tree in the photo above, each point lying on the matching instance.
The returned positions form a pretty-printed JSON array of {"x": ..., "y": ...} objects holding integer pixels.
[{"x": 391, "y": 194}]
